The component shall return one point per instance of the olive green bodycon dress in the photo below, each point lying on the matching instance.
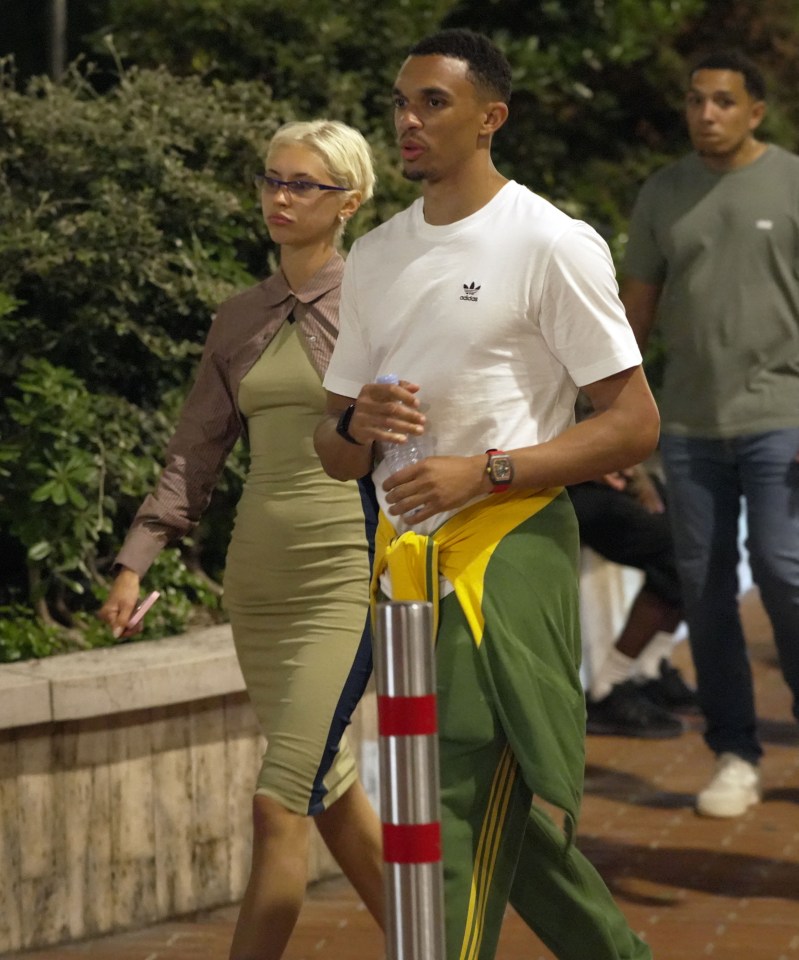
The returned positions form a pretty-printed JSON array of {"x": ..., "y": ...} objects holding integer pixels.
[{"x": 296, "y": 583}]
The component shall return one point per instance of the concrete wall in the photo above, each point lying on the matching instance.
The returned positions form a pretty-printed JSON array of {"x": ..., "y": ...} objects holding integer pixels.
[{"x": 126, "y": 778}]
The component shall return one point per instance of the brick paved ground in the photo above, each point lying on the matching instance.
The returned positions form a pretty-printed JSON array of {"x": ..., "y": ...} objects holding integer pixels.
[{"x": 693, "y": 887}]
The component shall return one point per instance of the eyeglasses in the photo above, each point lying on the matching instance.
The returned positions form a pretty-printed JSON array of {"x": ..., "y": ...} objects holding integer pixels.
[{"x": 297, "y": 188}]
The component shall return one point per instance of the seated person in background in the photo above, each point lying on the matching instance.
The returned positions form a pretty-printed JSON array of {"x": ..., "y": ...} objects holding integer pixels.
[{"x": 622, "y": 517}]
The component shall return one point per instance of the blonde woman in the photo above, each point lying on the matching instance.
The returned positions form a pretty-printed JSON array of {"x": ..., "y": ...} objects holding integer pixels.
[{"x": 296, "y": 575}]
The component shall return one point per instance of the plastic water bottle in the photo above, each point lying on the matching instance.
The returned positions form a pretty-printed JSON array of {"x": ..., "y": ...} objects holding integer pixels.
[{"x": 415, "y": 448}]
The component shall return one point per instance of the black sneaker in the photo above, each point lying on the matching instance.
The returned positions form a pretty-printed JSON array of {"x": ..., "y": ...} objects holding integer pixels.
[
  {"x": 626, "y": 712},
  {"x": 670, "y": 691}
]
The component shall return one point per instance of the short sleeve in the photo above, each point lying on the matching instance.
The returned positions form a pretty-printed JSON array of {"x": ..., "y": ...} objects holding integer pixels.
[
  {"x": 582, "y": 318},
  {"x": 350, "y": 366},
  {"x": 644, "y": 259}
]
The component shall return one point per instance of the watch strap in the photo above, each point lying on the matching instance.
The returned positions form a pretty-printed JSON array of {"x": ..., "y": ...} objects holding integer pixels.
[{"x": 343, "y": 426}]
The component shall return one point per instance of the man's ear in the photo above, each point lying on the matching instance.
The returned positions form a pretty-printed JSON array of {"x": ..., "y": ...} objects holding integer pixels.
[
  {"x": 757, "y": 113},
  {"x": 496, "y": 113}
]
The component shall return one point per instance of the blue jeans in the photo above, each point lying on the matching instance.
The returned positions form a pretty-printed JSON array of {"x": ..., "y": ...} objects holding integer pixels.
[{"x": 706, "y": 479}]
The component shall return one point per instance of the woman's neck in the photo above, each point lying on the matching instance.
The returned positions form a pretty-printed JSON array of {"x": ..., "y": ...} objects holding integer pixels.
[{"x": 299, "y": 264}]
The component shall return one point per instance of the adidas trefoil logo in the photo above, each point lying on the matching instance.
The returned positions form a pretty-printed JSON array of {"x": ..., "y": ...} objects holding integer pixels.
[{"x": 470, "y": 291}]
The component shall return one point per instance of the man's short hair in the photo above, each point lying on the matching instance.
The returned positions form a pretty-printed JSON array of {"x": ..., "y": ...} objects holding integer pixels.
[
  {"x": 739, "y": 63},
  {"x": 488, "y": 67}
]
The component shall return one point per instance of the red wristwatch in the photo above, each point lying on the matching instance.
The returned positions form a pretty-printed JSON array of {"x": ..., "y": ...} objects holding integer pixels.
[{"x": 499, "y": 468}]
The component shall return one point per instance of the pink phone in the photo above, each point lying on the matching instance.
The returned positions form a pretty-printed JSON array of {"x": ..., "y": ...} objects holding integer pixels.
[{"x": 142, "y": 608}]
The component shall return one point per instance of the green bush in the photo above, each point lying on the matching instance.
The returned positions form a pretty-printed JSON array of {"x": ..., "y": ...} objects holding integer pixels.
[
  {"x": 186, "y": 600},
  {"x": 124, "y": 219},
  {"x": 68, "y": 456},
  {"x": 23, "y": 636}
]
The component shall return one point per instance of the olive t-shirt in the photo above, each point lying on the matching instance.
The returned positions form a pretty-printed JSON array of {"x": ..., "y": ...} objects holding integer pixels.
[{"x": 725, "y": 248}]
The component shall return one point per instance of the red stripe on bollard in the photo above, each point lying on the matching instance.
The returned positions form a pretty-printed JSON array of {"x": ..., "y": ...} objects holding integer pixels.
[
  {"x": 411, "y": 842},
  {"x": 406, "y": 716}
]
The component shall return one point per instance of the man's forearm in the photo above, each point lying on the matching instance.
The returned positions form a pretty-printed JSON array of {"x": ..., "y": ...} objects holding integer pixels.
[
  {"x": 622, "y": 431},
  {"x": 340, "y": 459},
  {"x": 597, "y": 446}
]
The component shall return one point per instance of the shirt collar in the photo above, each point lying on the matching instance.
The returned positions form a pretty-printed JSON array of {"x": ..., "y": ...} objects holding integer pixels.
[{"x": 276, "y": 289}]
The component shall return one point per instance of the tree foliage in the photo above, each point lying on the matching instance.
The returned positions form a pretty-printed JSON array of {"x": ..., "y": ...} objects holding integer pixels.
[
  {"x": 323, "y": 56},
  {"x": 124, "y": 219}
]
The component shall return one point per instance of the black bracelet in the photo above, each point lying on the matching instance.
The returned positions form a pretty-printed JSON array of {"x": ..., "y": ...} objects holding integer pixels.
[{"x": 343, "y": 426}]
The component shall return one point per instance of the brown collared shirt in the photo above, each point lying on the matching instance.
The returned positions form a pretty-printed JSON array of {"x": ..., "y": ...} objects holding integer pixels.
[{"x": 210, "y": 421}]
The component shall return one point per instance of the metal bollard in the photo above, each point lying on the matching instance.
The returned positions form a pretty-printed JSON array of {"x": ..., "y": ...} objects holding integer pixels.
[{"x": 409, "y": 781}]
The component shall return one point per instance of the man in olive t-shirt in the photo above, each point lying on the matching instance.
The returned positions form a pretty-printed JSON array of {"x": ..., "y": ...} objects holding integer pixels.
[{"x": 713, "y": 255}]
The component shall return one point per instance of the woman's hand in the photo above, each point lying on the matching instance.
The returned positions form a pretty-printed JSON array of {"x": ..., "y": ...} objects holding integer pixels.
[{"x": 122, "y": 599}]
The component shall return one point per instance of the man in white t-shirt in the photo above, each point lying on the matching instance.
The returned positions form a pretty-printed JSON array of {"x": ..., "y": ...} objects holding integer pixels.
[{"x": 493, "y": 307}]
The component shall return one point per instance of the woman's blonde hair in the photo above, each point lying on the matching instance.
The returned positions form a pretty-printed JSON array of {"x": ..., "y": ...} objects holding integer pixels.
[{"x": 344, "y": 151}]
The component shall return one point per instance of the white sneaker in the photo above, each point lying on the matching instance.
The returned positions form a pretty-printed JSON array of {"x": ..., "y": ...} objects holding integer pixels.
[{"x": 734, "y": 788}]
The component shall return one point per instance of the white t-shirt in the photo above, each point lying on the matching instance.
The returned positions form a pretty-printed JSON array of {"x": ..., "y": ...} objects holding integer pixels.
[{"x": 499, "y": 318}]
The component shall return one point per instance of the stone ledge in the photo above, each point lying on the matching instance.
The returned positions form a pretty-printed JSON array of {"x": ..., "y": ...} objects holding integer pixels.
[
  {"x": 24, "y": 697},
  {"x": 119, "y": 679},
  {"x": 202, "y": 663}
]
